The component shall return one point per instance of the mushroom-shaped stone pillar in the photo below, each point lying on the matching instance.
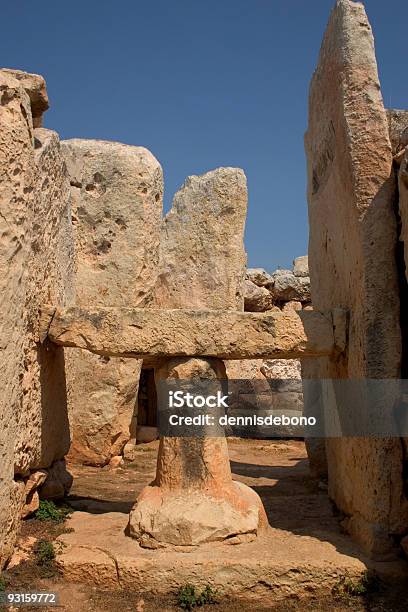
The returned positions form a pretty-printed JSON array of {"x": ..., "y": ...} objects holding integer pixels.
[{"x": 194, "y": 499}]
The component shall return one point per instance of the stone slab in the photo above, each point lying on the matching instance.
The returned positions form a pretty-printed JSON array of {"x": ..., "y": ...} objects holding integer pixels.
[
  {"x": 277, "y": 565},
  {"x": 143, "y": 333}
]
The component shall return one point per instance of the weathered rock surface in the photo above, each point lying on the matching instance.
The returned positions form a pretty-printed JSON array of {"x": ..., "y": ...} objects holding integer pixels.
[
  {"x": 403, "y": 202},
  {"x": 144, "y": 333},
  {"x": 287, "y": 287},
  {"x": 353, "y": 236},
  {"x": 256, "y": 299},
  {"x": 190, "y": 518},
  {"x": 34, "y": 85},
  {"x": 398, "y": 129},
  {"x": 202, "y": 266},
  {"x": 202, "y": 258},
  {"x": 259, "y": 276},
  {"x": 301, "y": 266},
  {"x": 42, "y": 427},
  {"x": 117, "y": 201},
  {"x": 193, "y": 499},
  {"x": 35, "y": 263},
  {"x": 280, "y": 565}
]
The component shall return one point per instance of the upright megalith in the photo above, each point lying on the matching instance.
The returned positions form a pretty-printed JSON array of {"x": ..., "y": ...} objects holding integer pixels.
[
  {"x": 36, "y": 253},
  {"x": 353, "y": 237},
  {"x": 193, "y": 499},
  {"x": 202, "y": 257},
  {"x": 117, "y": 193}
]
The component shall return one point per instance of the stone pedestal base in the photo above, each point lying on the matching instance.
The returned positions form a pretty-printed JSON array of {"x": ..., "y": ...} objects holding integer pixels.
[{"x": 163, "y": 518}]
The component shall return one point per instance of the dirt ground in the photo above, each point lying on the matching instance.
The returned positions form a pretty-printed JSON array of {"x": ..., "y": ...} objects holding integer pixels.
[{"x": 277, "y": 470}]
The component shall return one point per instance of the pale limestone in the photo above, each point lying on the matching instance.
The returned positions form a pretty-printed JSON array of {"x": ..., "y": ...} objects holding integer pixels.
[
  {"x": 256, "y": 299},
  {"x": 193, "y": 499},
  {"x": 288, "y": 287},
  {"x": 34, "y": 85},
  {"x": 202, "y": 257},
  {"x": 353, "y": 237},
  {"x": 301, "y": 266},
  {"x": 259, "y": 276},
  {"x": 154, "y": 334},
  {"x": 117, "y": 192},
  {"x": 279, "y": 565},
  {"x": 398, "y": 129},
  {"x": 36, "y": 264}
]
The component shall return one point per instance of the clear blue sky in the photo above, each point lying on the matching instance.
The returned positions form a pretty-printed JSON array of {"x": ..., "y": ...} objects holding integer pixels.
[{"x": 201, "y": 83}]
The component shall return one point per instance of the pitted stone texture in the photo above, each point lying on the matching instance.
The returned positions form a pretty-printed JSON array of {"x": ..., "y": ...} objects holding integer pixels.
[
  {"x": 269, "y": 385},
  {"x": 153, "y": 334},
  {"x": 35, "y": 255},
  {"x": 259, "y": 276},
  {"x": 34, "y": 85},
  {"x": 43, "y": 429},
  {"x": 287, "y": 287},
  {"x": 398, "y": 128},
  {"x": 403, "y": 203},
  {"x": 190, "y": 518},
  {"x": 117, "y": 194},
  {"x": 353, "y": 237},
  {"x": 117, "y": 202},
  {"x": 301, "y": 266},
  {"x": 102, "y": 419},
  {"x": 202, "y": 255},
  {"x": 193, "y": 499},
  {"x": 256, "y": 299},
  {"x": 16, "y": 176}
]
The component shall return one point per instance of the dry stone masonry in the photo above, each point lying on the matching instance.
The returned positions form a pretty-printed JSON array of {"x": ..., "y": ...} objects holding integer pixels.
[{"x": 97, "y": 287}]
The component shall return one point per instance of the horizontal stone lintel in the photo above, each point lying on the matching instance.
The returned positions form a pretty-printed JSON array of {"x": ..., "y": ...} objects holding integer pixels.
[{"x": 154, "y": 334}]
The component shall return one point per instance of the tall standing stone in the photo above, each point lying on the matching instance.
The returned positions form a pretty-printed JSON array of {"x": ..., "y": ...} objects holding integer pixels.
[
  {"x": 36, "y": 251},
  {"x": 117, "y": 194},
  {"x": 202, "y": 265},
  {"x": 352, "y": 262}
]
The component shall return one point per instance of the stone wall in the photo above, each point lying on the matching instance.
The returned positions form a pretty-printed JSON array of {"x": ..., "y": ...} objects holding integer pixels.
[
  {"x": 282, "y": 290},
  {"x": 36, "y": 255},
  {"x": 117, "y": 193}
]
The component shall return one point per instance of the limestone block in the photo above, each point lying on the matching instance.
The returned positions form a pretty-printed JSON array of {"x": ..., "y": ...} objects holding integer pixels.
[
  {"x": 34, "y": 85},
  {"x": 102, "y": 404},
  {"x": 16, "y": 185},
  {"x": 301, "y": 266},
  {"x": 201, "y": 517},
  {"x": 259, "y": 276},
  {"x": 287, "y": 287},
  {"x": 58, "y": 482},
  {"x": 117, "y": 194},
  {"x": 153, "y": 334},
  {"x": 403, "y": 203},
  {"x": 291, "y": 305},
  {"x": 256, "y": 299},
  {"x": 35, "y": 255},
  {"x": 353, "y": 237},
  {"x": 202, "y": 257},
  {"x": 43, "y": 430},
  {"x": 398, "y": 129}
]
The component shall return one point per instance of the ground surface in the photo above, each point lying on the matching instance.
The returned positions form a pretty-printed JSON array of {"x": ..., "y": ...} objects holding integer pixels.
[{"x": 297, "y": 507}]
